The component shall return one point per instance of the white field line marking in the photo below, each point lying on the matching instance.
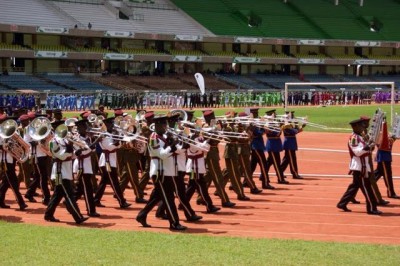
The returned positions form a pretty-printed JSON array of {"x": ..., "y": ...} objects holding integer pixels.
[
  {"x": 309, "y": 234},
  {"x": 334, "y": 150},
  {"x": 313, "y": 223}
]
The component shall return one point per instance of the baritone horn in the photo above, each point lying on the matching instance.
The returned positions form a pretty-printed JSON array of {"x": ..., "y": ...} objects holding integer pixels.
[
  {"x": 40, "y": 130},
  {"x": 182, "y": 114},
  {"x": 14, "y": 144}
]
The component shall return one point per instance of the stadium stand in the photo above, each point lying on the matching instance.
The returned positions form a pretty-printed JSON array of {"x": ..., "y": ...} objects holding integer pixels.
[
  {"x": 320, "y": 19},
  {"x": 77, "y": 82},
  {"x": 100, "y": 17},
  {"x": 17, "y": 82},
  {"x": 5, "y": 46},
  {"x": 156, "y": 16},
  {"x": 16, "y": 12},
  {"x": 139, "y": 51}
]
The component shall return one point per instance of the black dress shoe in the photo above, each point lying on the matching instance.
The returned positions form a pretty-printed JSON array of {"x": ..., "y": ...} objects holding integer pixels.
[
  {"x": 81, "y": 220},
  {"x": 255, "y": 191},
  {"x": 283, "y": 182},
  {"x": 142, "y": 221},
  {"x": 141, "y": 200},
  {"x": 94, "y": 214},
  {"x": 213, "y": 209},
  {"x": 4, "y": 206},
  {"x": 354, "y": 201},
  {"x": 343, "y": 207},
  {"x": 36, "y": 194},
  {"x": 228, "y": 204},
  {"x": 298, "y": 177},
  {"x": 375, "y": 212},
  {"x": 177, "y": 227},
  {"x": 394, "y": 196},
  {"x": 243, "y": 198},
  {"x": 194, "y": 218},
  {"x": 230, "y": 187},
  {"x": 245, "y": 184},
  {"x": 23, "y": 207},
  {"x": 125, "y": 205},
  {"x": 30, "y": 198},
  {"x": 383, "y": 202},
  {"x": 267, "y": 186},
  {"x": 51, "y": 219}
]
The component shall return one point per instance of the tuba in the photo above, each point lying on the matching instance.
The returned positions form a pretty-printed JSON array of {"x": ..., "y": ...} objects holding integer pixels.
[
  {"x": 14, "y": 144},
  {"x": 40, "y": 130}
]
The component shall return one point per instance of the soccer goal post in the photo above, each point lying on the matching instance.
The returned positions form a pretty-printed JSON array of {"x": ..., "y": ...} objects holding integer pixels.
[{"x": 384, "y": 83}]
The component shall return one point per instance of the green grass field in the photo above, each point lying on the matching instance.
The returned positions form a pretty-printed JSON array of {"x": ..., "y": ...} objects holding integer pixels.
[
  {"x": 37, "y": 245},
  {"x": 23, "y": 244}
]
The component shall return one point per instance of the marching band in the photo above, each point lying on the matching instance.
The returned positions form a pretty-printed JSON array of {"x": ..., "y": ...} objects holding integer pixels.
[{"x": 66, "y": 155}]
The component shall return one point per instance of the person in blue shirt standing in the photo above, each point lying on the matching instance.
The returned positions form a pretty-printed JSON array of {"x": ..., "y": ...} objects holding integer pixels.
[
  {"x": 82, "y": 106},
  {"x": 384, "y": 159},
  {"x": 258, "y": 155},
  {"x": 290, "y": 147},
  {"x": 274, "y": 147}
]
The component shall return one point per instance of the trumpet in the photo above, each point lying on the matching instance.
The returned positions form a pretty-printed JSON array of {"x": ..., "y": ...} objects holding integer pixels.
[{"x": 14, "y": 144}]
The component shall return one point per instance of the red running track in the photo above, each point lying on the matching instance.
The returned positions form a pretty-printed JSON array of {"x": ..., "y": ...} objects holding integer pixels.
[{"x": 304, "y": 209}]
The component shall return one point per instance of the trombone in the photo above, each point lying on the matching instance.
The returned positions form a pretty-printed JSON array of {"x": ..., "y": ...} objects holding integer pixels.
[{"x": 188, "y": 140}]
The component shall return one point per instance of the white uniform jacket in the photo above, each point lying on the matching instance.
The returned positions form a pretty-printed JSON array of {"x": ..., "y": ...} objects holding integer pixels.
[
  {"x": 195, "y": 154},
  {"x": 181, "y": 158},
  {"x": 28, "y": 138},
  {"x": 62, "y": 159},
  {"x": 158, "y": 154},
  {"x": 84, "y": 161},
  {"x": 359, "y": 156},
  {"x": 108, "y": 146}
]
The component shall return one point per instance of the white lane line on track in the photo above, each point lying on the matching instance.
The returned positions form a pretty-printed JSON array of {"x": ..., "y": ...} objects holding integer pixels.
[
  {"x": 315, "y": 223},
  {"x": 334, "y": 150},
  {"x": 309, "y": 234},
  {"x": 257, "y": 174}
]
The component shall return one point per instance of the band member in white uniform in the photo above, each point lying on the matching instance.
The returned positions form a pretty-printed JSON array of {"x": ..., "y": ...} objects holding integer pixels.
[
  {"x": 196, "y": 168},
  {"x": 162, "y": 172},
  {"x": 83, "y": 168},
  {"x": 7, "y": 170},
  {"x": 61, "y": 174},
  {"x": 108, "y": 166}
]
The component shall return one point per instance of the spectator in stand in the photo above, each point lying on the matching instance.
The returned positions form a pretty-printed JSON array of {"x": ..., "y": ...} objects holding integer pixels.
[{"x": 89, "y": 26}]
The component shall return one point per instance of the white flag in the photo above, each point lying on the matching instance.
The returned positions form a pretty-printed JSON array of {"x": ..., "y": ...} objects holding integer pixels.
[{"x": 200, "y": 81}]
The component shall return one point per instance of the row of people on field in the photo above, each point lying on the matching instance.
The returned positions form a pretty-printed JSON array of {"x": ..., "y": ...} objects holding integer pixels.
[{"x": 167, "y": 152}]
